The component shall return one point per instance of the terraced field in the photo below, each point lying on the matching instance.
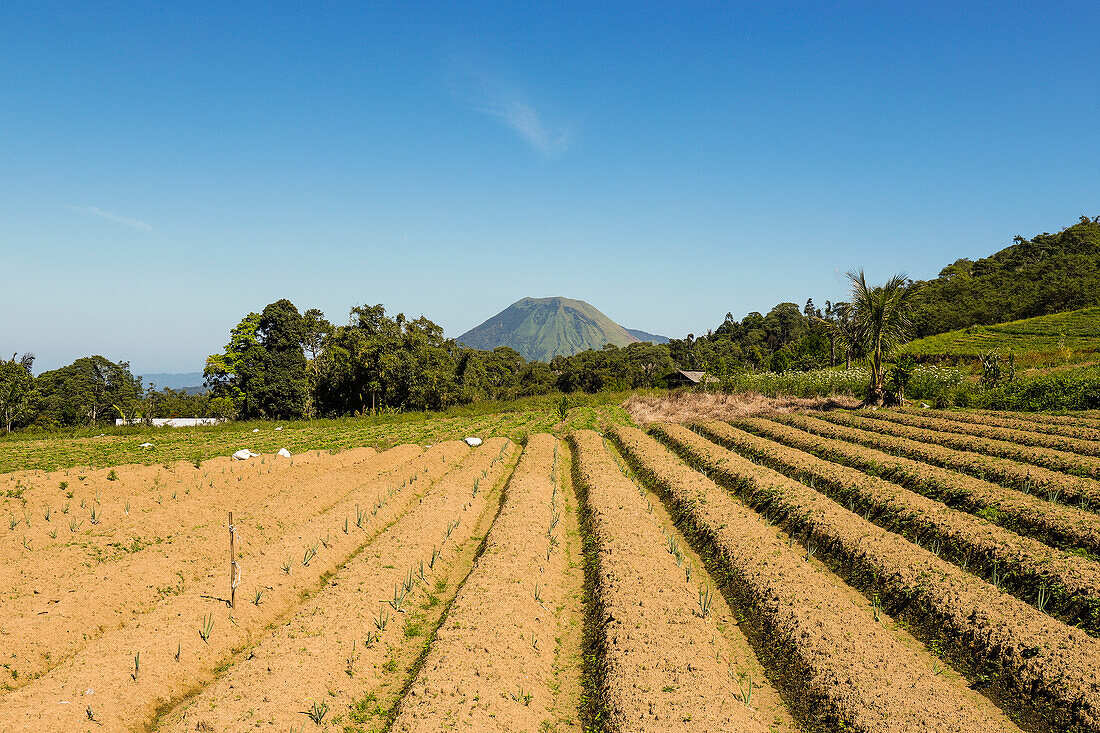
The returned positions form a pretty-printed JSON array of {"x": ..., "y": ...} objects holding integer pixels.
[{"x": 887, "y": 571}]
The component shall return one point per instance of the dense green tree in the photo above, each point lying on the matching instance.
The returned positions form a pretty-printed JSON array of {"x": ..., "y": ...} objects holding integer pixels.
[
  {"x": 283, "y": 387},
  {"x": 17, "y": 391},
  {"x": 90, "y": 390}
]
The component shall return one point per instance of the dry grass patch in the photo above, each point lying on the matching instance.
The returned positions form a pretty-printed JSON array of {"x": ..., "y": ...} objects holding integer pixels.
[{"x": 685, "y": 407}]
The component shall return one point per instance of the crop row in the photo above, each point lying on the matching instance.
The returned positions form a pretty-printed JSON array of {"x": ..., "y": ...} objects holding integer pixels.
[
  {"x": 1041, "y": 666},
  {"x": 654, "y": 623},
  {"x": 839, "y": 668},
  {"x": 1083, "y": 432},
  {"x": 1054, "y": 486},
  {"x": 355, "y": 639},
  {"x": 507, "y": 611},
  {"x": 1058, "y": 583},
  {"x": 1046, "y": 457},
  {"x": 60, "y": 601},
  {"x": 184, "y": 636},
  {"x": 1012, "y": 434},
  {"x": 1056, "y": 524},
  {"x": 1090, "y": 421}
]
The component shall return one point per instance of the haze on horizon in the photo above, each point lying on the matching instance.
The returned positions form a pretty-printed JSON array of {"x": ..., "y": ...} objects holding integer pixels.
[{"x": 167, "y": 170}]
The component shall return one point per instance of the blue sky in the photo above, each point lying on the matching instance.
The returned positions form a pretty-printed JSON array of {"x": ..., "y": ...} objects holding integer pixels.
[{"x": 167, "y": 168}]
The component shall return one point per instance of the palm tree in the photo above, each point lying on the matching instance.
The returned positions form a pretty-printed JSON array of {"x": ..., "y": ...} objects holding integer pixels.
[{"x": 879, "y": 321}]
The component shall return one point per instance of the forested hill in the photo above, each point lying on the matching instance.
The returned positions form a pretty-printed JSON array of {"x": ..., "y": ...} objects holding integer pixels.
[{"x": 1047, "y": 274}]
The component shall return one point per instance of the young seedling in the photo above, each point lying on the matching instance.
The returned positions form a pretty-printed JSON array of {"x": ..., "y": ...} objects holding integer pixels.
[
  {"x": 26, "y": 542},
  {"x": 687, "y": 572},
  {"x": 286, "y": 566},
  {"x": 538, "y": 594},
  {"x": 94, "y": 514},
  {"x": 258, "y": 596},
  {"x": 48, "y": 512},
  {"x": 359, "y": 517},
  {"x": 179, "y": 648},
  {"x": 1043, "y": 599},
  {"x": 435, "y": 556},
  {"x": 521, "y": 696},
  {"x": 53, "y": 533},
  {"x": 74, "y": 525},
  {"x": 127, "y": 508},
  {"x": 207, "y": 627},
  {"x": 876, "y": 607},
  {"x": 345, "y": 525},
  {"x": 12, "y": 522},
  {"x": 746, "y": 690},
  {"x": 398, "y": 601},
  {"x": 316, "y": 711},
  {"x": 382, "y": 620},
  {"x": 310, "y": 553},
  {"x": 705, "y": 600},
  {"x": 137, "y": 666},
  {"x": 350, "y": 669}
]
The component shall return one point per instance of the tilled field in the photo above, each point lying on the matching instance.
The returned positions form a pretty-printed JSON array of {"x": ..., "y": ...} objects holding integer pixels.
[{"x": 788, "y": 574}]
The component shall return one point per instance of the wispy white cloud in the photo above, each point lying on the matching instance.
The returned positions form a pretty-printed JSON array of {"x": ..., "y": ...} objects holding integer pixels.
[
  {"x": 124, "y": 221},
  {"x": 509, "y": 104}
]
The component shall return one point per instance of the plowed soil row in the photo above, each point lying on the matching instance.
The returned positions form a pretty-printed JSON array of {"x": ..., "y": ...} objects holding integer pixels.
[
  {"x": 665, "y": 664},
  {"x": 1012, "y": 433},
  {"x": 57, "y": 601},
  {"x": 1039, "y": 417},
  {"x": 494, "y": 664},
  {"x": 1063, "y": 585},
  {"x": 174, "y": 658},
  {"x": 1043, "y": 668},
  {"x": 840, "y": 669},
  {"x": 1084, "y": 432},
  {"x": 1056, "y": 524},
  {"x": 143, "y": 503},
  {"x": 1055, "y": 460},
  {"x": 331, "y": 652}
]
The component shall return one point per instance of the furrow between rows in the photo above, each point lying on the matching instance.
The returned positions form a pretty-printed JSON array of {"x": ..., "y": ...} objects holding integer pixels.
[
  {"x": 345, "y": 653},
  {"x": 1056, "y": 460},
  {"x": 1061, "y": 584},
  {"x": 183, "y": 639},
  {"x": 1055, "y": 524},
  {"x": 839, "y": 669},
  {"x": 1014, "y": 434},
  {"x": 665, "y": 664},
  {"x": 1073, "y": 430},
  {"x": 1045, "y": 670},
  {"x": 58, "y": 607},
  {"x": 494, "y": 664}
]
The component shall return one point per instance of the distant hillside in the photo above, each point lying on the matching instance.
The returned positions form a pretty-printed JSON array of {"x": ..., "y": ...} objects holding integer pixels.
[
  {"x": 1070, "y": 336},
  {"x": 650, "y": 337},
  {"x": 1050, "y": 273},
  {"x": 189, "y": 381},
  {"x": 542, "y": 328}
]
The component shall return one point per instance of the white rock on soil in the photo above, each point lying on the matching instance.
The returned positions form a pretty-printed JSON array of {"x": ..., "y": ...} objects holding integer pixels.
[{"x": 473, "y": 442}]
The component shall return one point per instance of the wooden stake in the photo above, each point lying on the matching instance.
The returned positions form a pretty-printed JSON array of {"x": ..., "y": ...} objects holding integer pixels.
[{"x": 232, "y": 565}]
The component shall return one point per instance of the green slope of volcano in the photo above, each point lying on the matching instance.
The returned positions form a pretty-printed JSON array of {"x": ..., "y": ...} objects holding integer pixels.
[{"x": 542, "y": 328}]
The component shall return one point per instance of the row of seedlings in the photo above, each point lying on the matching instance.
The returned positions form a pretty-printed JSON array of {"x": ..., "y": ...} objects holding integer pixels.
[
  {"x": 1056, "y": 460},
  {"x": 839, "y": 669},
  {"x": 1056, "y": 524},
  {"x": 185, "y": 636},
  {"x": 1074, "y": 430},
  {"x": 1037, "y": 666},
  {"x": 1061, "y": 584},
  {"x": 344, "y": 655},
  {"x": 493, "y": 663},
  {"x": 1014, "y": 434},
  {"x": 664, "y": 663},
  {"x": 65, "y": 599}
]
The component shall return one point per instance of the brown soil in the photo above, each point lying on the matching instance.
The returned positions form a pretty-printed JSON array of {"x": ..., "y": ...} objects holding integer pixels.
[
  {"x": 1012, "y": 433},
  {"x": 63, "y": 595},
  {"x": 839, "y": 667},
  {"x": 1048, "y": 670},
  {"x": 322, "y": 653},
  {"x": 174, "y": 659},
  {"x": 494, "y": 664},
  {"x": 695, "y": 406},
  {"x": 1081, "y": 431},
  {"x": 1072, "y": 583},
  {"x": 668, "y": 667},
  {"x": 1055, "y": 524},
  {"x": 1046, "y": 457}
]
